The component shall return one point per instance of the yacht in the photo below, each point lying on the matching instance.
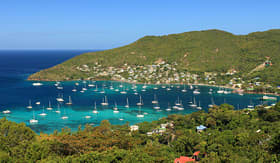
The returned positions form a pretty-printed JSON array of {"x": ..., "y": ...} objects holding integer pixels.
[
  {"x": 180, "y": 107},
  {"x": 37, "y": 84},
  {"x": 38, "y": 103},
  {"x": 6, "y": 112},
  {"x": 87, "y": 117}
]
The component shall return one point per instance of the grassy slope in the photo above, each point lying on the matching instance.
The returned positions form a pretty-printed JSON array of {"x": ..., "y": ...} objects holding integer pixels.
[{"x": 211, "y": 50}]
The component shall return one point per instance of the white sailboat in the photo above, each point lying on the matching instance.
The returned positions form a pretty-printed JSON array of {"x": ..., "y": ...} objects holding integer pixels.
[
  {"x": 212, "y": 103},
  {"x": 95, "y": 109},
  {"x": 140, "y": 115},
  {"x": 169, "y": 107},
  {"x": 184, "y": 90},
  {"x": 37, "y": 84},
  {"x": 43, "y": 113},
  {"x": 58, "y": 109},
  {"x": 74, "y": 89},
  {"x": 156, "y": 106},
  {"x": 180, "y": 107},
  {"x": 155, "y": 101},
  {"x": 199, "y": 107},
  {"x": 193, "y": 104},
  {"x": 60, "y": 99},
  {"x": 196, "y": 92},
  {"x": 96, "y": 88},
  {"x": 69, "y": 102},
  {"x": 140, "y": 101},
  {"x": 105, "y": 102},
  {"x": 64, "y": 116},
  {"x": 116, "y": 108},
  {"x": 29, "y": 106},
  {"x": 127, "y": 103},
  {"x": 50, "y": 107},
  {"x": 33, "y": 121},
  {"x": 177, "y": 103}
]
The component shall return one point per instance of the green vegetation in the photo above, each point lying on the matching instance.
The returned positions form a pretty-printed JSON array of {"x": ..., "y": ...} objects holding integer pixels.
[
  {"x": 195, "y": 52},
  {"x": 231, "y": 136}
]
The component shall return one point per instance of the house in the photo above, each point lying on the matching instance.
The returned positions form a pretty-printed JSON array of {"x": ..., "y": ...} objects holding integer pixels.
[
  {"x": 200, "y": 128},
  {"x": 134, "y": 128},
  {"x": 185, "y": 159}
]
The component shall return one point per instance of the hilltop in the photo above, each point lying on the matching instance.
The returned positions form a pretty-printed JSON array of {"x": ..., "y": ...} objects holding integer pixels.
[{"x": 179, "y": 58}]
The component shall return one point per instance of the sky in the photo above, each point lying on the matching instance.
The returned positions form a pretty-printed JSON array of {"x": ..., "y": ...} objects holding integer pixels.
[{"x": 105, "y": 24}]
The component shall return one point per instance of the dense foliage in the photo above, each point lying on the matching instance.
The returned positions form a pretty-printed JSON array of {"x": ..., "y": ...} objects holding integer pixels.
[
  {"x": 231, "y": 136},
  {"x": 198, "y": 51}
]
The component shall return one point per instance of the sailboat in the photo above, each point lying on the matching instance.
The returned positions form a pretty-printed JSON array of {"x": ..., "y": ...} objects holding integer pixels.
[
  {"x": 127, "y": 103},
  {"x": 29, "y": 106},
  {"x": 139, "y": 115},
  {"x": 69, "y": 102},
  {"x": 32, "y": 121},
  {"x": 96, "y": 88},
  {"x": 123, "y": 91},
  {"x": 105, "y": 101},
  {"x": 177, "y": 103},
  {"x": 50, "y": 107},
  {"x": 251, "y": 104},
  {"x": 212, "y": 103},
  {"x": 156, "y": 106},
  {"x": 196, "y": 92},
  {"x": 199, "y": 107},
  {"x": 180, "y": 107},
  {"x": 121, "y": 118},
  {"x": 184, "y": 90},
  {"x": 116, "y": 108},
  {"x": 60, "y": 99},
  {"x": 193, "y": 104},
  {"x": 103, "y": 90},
  {"x": 74, "y": 89},
  {"x": 168, "y": 88},
  {"x": 58, "y": 109},
  {"x": 169, "y": 107},
  {"x": 95, "y": 109},
  {"x": 155, "y": 101},
  {"x": 64, "y": 116},
  {"x": 43, "y": 114},
  {"x": 140, "y": 101}
]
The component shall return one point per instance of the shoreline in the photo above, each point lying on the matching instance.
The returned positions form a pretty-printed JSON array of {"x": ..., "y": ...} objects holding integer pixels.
[{"x": 235, "y": 90}]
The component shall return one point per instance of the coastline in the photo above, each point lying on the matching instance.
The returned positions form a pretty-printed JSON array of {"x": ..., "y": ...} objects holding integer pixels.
[{"x": 235, "y": 90}]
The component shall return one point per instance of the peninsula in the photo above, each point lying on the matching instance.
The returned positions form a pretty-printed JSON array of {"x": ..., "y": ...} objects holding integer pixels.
[{"x": 213, "y": 57}]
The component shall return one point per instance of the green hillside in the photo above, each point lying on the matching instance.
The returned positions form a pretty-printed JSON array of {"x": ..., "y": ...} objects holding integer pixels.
[{"x": 197, "y": 51}]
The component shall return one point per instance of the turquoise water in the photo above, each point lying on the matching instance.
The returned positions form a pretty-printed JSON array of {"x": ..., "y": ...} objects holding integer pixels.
[{"x": 16, "y": 93}]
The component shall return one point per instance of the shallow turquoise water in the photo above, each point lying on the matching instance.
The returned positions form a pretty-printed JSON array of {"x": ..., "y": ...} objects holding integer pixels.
[{"x": 83, "y": 103}]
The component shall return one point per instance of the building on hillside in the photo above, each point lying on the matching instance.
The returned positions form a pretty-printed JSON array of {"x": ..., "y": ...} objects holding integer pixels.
[{"x": 200, "y": 128}]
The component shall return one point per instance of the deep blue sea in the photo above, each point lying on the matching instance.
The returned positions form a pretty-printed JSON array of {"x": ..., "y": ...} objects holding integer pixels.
[{"x": 16, "y": 92}]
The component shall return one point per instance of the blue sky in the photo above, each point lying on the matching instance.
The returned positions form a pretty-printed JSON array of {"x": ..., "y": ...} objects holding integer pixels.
[{"x": 104, "y": 24}]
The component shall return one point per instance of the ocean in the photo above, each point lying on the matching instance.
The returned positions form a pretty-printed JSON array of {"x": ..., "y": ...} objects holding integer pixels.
[{"x": 16, "y": 92}]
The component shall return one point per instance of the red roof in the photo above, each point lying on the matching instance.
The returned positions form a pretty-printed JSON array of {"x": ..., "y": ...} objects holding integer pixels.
[
  {"x": 196, "y": 153},
  {"x": 183, "y": 159}
]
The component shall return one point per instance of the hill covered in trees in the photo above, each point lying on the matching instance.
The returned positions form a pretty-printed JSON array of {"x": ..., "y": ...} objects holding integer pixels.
[
  {"x": 198, "y": 51},
  {"x": 231, "y": 136}
]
